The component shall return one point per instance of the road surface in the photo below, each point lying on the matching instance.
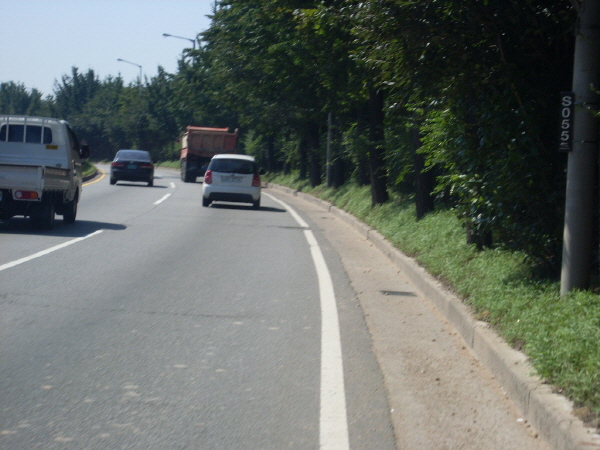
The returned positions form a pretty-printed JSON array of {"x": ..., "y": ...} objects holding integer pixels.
[{"x": 155, "y": 323}]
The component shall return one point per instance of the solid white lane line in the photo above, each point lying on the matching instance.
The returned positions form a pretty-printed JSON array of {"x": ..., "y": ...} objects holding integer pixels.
[
  {"x": 333, "y": 421},
  {"x": 47, "y": 251},
  {"x": 294, "y": 214},
  {"x": 333, "y": 430}
]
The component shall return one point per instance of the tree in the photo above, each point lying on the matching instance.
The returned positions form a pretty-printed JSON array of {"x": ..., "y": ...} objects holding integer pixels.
[
  {"x": 74, "y": 92},
  {"x": 271, "y": 61},
  {"x": 16, "y": 99},
  {"x": 481, "y": 73}
]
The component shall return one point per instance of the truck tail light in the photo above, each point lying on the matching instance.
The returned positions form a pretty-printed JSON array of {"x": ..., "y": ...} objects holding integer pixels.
[
  {"x": 256, "y": 180},
  {"x": 208, "y": 177},
  {"x": 26, "y": 195}
]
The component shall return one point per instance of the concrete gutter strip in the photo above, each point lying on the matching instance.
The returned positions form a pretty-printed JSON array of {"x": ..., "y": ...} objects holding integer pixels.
[{"x": 549, "y": 413}]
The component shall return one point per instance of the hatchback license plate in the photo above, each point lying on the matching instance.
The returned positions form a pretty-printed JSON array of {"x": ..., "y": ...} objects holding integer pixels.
[{"x": 231, "y": 179}]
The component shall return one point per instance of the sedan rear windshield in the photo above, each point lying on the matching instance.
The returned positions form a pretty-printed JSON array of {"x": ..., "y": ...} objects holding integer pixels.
[
  {"x": 233, "y": 166},
  {"x": 134, "y": 155}
]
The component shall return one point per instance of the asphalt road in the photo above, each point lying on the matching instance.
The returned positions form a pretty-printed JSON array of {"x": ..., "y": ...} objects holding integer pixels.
[{"x": 155, "y": 323}]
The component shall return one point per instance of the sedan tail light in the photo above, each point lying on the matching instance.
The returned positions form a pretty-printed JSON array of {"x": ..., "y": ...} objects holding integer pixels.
[
  {"x": 146, "y": 166},
  {"x": 208, "y": 177},
  {"x": 256, "y": 180},
  {"x": 118, "y": 164}
]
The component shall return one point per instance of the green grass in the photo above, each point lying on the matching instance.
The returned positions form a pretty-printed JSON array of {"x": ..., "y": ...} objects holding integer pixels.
[
  {"x": 171, "y": 164},
  {"x": 87, "y": 168},
  {"x": 561, "y": 336}
]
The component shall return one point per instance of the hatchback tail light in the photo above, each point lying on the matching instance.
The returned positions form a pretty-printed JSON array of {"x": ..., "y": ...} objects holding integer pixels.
[
  {"x": 208, "y": 177},
  {"x": 256, "y": 180}
]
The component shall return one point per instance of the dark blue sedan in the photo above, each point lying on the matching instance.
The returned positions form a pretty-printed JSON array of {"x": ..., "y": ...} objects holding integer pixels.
[{"x": 132, "y": 165}]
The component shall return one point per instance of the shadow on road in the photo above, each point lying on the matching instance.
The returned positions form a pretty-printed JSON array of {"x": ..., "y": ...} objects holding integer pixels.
[
  {"x": 78, "y": 229},
  {"x": 246, "y": 207}
]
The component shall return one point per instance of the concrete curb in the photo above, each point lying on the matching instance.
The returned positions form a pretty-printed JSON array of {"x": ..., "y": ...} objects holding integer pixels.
[
  {"x": 548, "y": 413},
  {"x": 90, "y": 177}
]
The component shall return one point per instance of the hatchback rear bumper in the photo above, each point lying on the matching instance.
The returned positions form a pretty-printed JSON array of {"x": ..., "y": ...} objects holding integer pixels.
[{"x": 231, "y": 194}]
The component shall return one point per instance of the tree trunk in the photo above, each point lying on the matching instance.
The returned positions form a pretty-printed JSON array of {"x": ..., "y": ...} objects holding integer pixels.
[
  {"x": 339, "y": 172},
  {"x": 303, "y": 156},
  {"x": 379, "y": 193},
  {"x": 480, "y": 239},
  {"x": 271, "y": 163},
  {"x": 337, "y": 163},
  {"x": 424, "y": 179},
  {"x": 314, "y": 154},
  {"x": 363, "y": 177}
]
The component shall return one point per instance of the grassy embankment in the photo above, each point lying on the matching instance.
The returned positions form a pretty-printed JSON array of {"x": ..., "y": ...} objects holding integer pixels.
[
  {"x": 88, "y": 168},
  {"x": 171, "y": 164},
  {"x": 560, "y": 336}
]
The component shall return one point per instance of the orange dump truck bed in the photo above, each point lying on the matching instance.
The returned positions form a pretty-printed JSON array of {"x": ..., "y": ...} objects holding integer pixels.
[{"x": 199, "y": 145}]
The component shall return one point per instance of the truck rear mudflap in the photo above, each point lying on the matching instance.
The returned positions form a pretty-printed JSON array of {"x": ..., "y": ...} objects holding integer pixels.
[{"x": 9, "y": 207}]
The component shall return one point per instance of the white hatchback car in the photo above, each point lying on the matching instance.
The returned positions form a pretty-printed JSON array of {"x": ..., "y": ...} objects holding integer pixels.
[{"x": 231, "y": 178}]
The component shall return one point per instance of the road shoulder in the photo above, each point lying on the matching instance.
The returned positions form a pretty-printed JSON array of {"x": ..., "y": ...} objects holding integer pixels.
[{"x": 452, "y": 382}]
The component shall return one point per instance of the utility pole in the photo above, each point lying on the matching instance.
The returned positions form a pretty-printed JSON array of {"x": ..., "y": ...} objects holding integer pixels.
[
  {"x": 583, "y": 160},
  {"x": 328, "y": 164}
]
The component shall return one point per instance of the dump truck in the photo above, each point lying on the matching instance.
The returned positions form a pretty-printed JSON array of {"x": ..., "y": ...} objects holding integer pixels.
[
  {"x": 199, "y": 145},
  {"x": 40, "y": 169}
]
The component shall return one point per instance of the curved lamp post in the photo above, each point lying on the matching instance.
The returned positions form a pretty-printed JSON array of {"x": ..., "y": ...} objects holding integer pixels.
[
  {"x": 129, "y": 62},
  {"x": 193, "y": 41}
]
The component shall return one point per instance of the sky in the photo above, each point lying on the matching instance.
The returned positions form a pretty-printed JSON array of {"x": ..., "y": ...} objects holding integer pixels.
[{"x": 41, "y": 40}]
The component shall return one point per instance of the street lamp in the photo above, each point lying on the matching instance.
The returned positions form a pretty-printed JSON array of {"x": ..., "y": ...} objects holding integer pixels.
[
  {"x": 129, "y": 62},
  {"x": 193, "y": 41}
]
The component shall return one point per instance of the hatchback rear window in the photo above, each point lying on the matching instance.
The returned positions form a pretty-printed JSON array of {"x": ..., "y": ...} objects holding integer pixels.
[{"x": 232, "y": 166}]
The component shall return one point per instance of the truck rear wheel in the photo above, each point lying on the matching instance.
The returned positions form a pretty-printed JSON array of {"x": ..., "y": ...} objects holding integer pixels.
[
  {"x": 187, "y": 175},
  {"x": 183, "y": 170},
  {"x": 43, "y": 219},
  {"x": 70, "y": 211},
  {"x": 190, "y": 177}
]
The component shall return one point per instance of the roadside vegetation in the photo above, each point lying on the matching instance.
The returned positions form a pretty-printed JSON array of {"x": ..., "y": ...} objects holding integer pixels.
[
  {"x": 169, "y": 164},
  {"x": 88, "y": 168},
  {"x": 561, "y": 336}
]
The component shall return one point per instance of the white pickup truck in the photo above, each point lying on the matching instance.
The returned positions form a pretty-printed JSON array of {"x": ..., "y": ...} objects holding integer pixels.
[{"x": 40, "y": 169}]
